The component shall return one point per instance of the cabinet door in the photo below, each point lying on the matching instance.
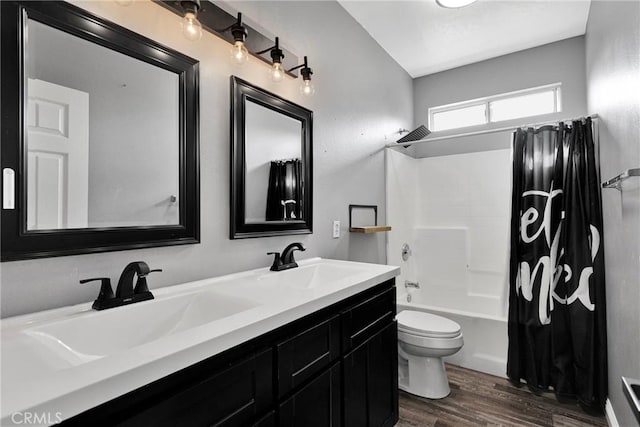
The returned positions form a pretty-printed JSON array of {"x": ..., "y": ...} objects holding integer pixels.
[
  {"x": 306, "y": 353},
  {"x": 235, "y": 396},
  {"x": 370, "y": 374},
  {"x": 315, "y": 405},
  {"x": 364, "y": 319}
]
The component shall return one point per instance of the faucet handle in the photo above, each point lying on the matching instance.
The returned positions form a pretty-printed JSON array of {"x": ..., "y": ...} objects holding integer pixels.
[
  {"x": 106, "y": 292},
  {"x": 277, "y": 261},
  {"x": 155, "y": 270},
  {"x": 141, "y": 283}
]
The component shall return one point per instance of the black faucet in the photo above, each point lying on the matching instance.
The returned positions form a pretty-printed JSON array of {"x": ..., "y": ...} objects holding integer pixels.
[
  {"x": 286, "y": 260},
  {"x": 125, "y": 292}
]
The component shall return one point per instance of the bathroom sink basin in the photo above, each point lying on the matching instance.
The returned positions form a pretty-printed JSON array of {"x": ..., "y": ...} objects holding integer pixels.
[
  {"x": 311, "y": 276},
  {"x": 84, "y": 338}
]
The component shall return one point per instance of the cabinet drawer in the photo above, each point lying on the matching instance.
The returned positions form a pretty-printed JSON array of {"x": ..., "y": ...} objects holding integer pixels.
[
  {"x": 317, "y": 404},
  {"x": 366, "y": 318},
  {"x": 235, "y": 396},
  {"x": 307, "y": 353}
]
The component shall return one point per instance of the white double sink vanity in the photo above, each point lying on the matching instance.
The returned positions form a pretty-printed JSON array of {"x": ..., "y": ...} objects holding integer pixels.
[{"x": 68, "y": 360}]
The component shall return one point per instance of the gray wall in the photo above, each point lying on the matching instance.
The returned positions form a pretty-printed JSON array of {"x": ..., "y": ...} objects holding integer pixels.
[
  {"x": 361, "y": 96},
  {"x": 613, "y": 83},
  {"x": 562, "y": 61}
]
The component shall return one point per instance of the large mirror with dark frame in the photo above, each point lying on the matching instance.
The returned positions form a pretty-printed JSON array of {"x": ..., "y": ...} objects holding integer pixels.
[
  {"x": 100, "y": 135},
  {"x": 271, "y": 164}
]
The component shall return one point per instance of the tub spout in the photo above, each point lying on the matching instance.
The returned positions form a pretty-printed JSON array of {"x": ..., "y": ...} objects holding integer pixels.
[{"x": 408, "y": 284}]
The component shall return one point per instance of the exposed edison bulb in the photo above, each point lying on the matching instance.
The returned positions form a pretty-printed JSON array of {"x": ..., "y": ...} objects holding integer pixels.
[
  {"x": 454, "y": 4},
  {"x": 306, "y": 88},
  {"x": 276, "y": 73},
  {"x": 239, "y": 53},
  {"x": 191, "y": 27}
]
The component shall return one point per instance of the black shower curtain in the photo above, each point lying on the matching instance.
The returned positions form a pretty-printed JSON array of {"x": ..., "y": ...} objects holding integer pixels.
[
  {"x": 557, "y": 330},
  {"x": 284, "y": 194}
]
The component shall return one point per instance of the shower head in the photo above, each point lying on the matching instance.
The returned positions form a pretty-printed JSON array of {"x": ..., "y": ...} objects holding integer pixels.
[{"x": 417, "y": 134}]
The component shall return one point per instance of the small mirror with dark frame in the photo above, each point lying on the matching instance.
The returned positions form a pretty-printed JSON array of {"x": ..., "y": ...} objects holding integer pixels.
[
  {"x": 100, "y": 135},
  {"x": 271, "y": 164}
]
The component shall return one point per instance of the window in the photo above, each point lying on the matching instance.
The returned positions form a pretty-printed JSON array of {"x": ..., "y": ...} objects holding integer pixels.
[{"x": 497, "y": 108}]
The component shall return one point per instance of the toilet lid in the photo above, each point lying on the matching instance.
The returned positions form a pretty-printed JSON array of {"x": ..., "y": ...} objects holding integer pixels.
[{"x": 426, "y": 324}]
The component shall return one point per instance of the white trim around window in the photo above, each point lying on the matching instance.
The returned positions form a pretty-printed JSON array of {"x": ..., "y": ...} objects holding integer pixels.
[{"x": 496, "y": 108}]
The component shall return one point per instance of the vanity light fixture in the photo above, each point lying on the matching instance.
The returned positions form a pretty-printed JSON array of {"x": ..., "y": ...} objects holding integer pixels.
[
  {"x": 277, "y": 72},
  {"x": 454, "y": 4},
  {"x": 306, "y": 88},
  {"x": 206, "y": 15},
  {"x": 191, "y": 27}
]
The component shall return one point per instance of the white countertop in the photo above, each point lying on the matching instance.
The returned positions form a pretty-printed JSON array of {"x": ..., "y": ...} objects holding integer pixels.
[{"x": 35, "y": 381}]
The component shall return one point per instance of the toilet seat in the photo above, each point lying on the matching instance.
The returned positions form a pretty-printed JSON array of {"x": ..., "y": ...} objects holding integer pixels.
[{"x": 427, "y": 325}]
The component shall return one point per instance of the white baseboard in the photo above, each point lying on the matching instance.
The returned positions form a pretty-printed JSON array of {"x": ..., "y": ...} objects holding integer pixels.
[{"x": 611, "y": 416}]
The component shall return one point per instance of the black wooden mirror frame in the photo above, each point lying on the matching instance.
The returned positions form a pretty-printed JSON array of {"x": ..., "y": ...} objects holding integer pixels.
[
  {"x": 20, "y": 243},
  {"x": 241, "y": 91}
]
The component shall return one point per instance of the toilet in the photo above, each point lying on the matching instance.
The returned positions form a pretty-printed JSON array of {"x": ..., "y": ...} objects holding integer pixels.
[{"x": 423, "y": 340}]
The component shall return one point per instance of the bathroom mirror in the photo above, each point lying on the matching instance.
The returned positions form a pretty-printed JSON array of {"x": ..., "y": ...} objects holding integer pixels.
[
  {"x": 271, "y": 164},
  {"x": 100, "y": 129}
]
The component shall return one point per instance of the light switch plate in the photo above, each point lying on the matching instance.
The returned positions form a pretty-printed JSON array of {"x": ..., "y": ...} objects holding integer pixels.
[
  {"x": 336, "y": 229},
  {"x": 8, "y": 188}
]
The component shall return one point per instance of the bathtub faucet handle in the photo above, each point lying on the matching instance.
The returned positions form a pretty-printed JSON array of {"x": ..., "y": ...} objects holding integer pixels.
[
  {"x": 406, "y": 252},
  {"x": 408, "y": 284}
]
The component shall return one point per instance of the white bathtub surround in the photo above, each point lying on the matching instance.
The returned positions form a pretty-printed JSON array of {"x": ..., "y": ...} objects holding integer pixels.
[
  {"x": 485, "y": 337},
  {"x": 73, "y": 358},
  {"x": 454, "y": 212},
  {"x": 423, "y": 341}
]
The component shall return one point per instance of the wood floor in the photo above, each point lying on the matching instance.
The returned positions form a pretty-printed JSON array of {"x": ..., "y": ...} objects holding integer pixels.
[{"x": 479, "y": 399}]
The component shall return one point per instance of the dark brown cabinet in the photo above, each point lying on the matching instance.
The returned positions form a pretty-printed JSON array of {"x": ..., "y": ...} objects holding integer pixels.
[
  {"x": 234, "y": 396},
  {"x": 307, "y": 353},
  {"x": 318, "y": 404},
  {"x": 335, "y": 367},
  {"x": 370, "y": 376}
]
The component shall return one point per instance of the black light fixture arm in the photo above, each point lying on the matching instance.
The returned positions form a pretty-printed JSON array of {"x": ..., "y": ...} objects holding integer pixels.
[
  {"x": 238, "y": 30},
  {"x": 304, "y": 70},
  {"x": 297, "y": 67},
  {"x": 276, "y": 53}
]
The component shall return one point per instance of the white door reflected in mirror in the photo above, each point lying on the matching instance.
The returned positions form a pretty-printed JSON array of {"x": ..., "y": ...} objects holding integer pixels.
[{"x": 57, "y": 156}]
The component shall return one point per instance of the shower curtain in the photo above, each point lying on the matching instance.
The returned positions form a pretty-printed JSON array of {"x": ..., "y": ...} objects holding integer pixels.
[
  {"x": 284, "y": 194},
  {"x": 557, "y": 330}
]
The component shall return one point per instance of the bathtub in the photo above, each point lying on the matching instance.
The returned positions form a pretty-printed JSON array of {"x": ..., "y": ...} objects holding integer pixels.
[
  {"x": 485, "y": 335},
  {"x": 453, "y": 212}
]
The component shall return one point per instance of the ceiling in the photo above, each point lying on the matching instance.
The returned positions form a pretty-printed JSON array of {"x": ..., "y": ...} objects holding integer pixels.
[{"x": 425, "y": 38}]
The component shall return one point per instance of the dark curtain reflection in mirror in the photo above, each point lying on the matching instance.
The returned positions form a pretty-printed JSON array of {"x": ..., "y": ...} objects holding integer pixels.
[
  {"x": 284, "y": 199},
  {"x": 271, "y": 164}
]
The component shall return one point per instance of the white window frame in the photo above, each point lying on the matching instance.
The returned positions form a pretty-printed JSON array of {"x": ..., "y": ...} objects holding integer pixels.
[{"x": 487, "y": 100}]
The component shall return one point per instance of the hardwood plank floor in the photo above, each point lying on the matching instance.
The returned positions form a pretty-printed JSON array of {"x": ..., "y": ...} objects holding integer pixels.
[{"x": 479, "y": 399}]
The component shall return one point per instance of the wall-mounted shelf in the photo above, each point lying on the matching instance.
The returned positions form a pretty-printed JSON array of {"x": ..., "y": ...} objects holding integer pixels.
[
  {"x": 616, "y": 182},
  {"x": 370, "y": 229},
  {"x": 366, "y": 228}
]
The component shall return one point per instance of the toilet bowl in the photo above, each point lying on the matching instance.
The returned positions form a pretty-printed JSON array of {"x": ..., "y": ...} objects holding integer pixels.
[{"x": 423, "y": 340}]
